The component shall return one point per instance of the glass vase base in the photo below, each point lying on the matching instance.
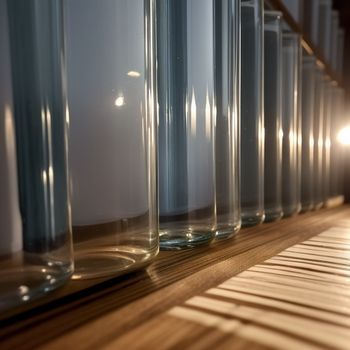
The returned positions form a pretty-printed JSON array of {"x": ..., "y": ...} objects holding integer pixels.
[
  {"x": 23, "y": 284},
  {"x": 317, "y": 206},
  {"x": 184, "y": 239},
  {"x": 306, "y": 207},
  {"x": 290, "y": 211},
  {"x": 226, "y": 232},
  {"x": 110, "y": 261},
  {"x": 252, "y": 220},
  {"x": 271, "y": 216}
]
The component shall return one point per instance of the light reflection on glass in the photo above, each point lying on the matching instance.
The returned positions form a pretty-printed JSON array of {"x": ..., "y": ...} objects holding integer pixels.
[
  {"x": 44, "y": 177},
  {"x": 193, "y": 116},
  {"x": 292, "y": 138},
  {"x": 312, "y": 141},
  {"x": 133, "y": 74},
  {"x": 23, "y": 289},
  {"x": 67, "y": 115},
  {"x": 208, "y": 117},
  {"x": 119, "y": 101}
]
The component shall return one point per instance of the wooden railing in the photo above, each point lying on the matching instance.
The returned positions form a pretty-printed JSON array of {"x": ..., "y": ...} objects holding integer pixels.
[{"x": 307, "y": 44}]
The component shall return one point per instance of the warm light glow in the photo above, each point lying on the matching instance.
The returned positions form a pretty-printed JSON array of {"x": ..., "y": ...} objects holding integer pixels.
[
  {"x": 344, "y": 136},
  {"x": 133, "y": 74},
  {"x": 23, "y": 289},
  {"x": 292, "y": 138},
  {"x": 312, "y": 142},
  {"x": 119, "y": 101},
  {"x": 280, "y": 134}
]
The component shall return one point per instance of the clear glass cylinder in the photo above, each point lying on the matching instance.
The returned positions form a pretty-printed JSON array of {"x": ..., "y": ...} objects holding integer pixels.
[
  {"x": 318, "y": 138},
  {"x": 327, "y": 118},
  {"x": 311, "y": 22},
  {"x": 325, "y": 29},
  {"x": 226, "y": 62},
  {"x": 308, "y": 106},
  {"x": 273, "y": 115},
  {"x": 35, "y": 231},
  {"x": 342, "y": 119},
  {"x": 252, "y": 113},
  {"x": 337, "y": 150},
  {"x": 291, "y": 124},
  {"x": 340, "y": 51},
  {"x": 294, "y": 8},
  {"x": 112, "y": 103},
  {"x": 334, "y": 40},
  {"x": 187, "y": 214}
]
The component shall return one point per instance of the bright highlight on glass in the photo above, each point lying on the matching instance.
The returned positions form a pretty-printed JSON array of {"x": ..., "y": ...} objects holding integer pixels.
[
  {"x": 119, "y": 101},
  {"x": 134, "y": 74},
  {"x": 344, "y": 136}
]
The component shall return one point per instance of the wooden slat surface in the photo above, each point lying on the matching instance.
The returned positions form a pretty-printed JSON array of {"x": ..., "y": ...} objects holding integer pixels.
[
  {"x": 134, "y": 309},
  {"x": 299, "y": 299}
]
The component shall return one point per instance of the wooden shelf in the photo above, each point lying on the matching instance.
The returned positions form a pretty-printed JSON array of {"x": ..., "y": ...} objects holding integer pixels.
[
  {"x": 306, "y": 42},
  {"x": 89, "y": 314}
]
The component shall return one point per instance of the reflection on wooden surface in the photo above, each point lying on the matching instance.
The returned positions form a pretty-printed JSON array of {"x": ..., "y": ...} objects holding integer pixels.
[
  {"x": 299, "y": 299},
  {"x": 281, "y": 288}
]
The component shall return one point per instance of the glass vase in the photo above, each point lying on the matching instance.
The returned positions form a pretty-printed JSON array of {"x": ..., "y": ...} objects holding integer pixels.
[
  {"x": 186, "y": 156},
  {"x": 308, "y": 110},
  {"x": 324, "y": 30},
  {"x": 291, "y": 124},
  {"x": 337, "y": 154},
  {"x": 273, "y": 115},
  {"x": 326, "y": 156},
  {"x": 252, "y": 113},
  {"x": 226, "y": 62},
  {"x": 35, "y": 232},
  {"x": 112, "y": 102},
  {"x": 318, "y": 138}
]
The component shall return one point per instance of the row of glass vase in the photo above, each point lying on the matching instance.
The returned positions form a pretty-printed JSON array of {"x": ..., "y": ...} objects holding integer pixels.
[{"x": 136, "y": 124}]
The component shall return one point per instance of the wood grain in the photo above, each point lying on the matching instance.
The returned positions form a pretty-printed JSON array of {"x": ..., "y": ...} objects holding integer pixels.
[
  {"x": 98, "y": 313},
  {"x": 284, "y": 311}
]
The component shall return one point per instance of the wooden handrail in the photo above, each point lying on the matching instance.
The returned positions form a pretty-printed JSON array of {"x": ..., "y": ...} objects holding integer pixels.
[{"x": 305, "y": 40}]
